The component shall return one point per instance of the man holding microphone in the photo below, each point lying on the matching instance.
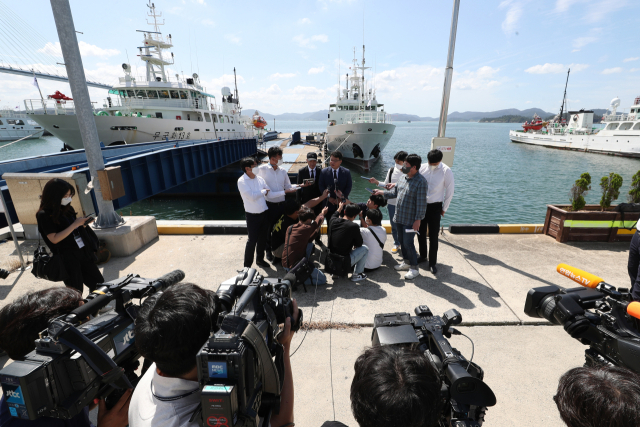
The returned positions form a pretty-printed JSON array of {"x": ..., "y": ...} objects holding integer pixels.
[{"x": 441, "y": 186}]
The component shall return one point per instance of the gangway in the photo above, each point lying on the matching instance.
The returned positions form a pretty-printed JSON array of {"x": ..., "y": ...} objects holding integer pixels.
[{"x": 147, "y": 169}]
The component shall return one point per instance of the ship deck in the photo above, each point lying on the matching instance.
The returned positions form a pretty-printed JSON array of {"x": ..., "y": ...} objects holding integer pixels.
[
  {"x": 485, "y": 277},
  {"x": 294, "y": 157}
]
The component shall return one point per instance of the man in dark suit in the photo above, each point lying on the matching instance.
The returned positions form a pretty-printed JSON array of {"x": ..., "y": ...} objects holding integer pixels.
[
  {"x": 335, "y": 177},
  {"x": 311, "y": 171}
]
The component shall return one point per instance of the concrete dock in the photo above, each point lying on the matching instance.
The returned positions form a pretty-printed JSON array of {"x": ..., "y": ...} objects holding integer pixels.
[{"x": 486, "y": 277}]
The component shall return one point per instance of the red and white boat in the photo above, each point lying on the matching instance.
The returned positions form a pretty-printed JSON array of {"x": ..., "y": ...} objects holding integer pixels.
[
  {"x": 258, "y": 121},
  {"x": 536, "y": 123}
]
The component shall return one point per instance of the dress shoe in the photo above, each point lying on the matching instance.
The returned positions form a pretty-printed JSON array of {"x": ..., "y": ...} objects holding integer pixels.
[
  {"x": 262, "y": 263},
  {"x": 433, "y": 269},
  {"x": 269, "y": 256}
]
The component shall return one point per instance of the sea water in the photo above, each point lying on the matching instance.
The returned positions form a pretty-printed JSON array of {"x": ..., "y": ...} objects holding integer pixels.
[{"x": 496, "y": 181}]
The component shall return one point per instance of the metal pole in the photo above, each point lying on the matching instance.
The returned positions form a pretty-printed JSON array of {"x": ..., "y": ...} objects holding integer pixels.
[
  {"x": 448, "y": 73},
  {"x": 13, "y": 233},
  {"x": 107, "y": 216}
]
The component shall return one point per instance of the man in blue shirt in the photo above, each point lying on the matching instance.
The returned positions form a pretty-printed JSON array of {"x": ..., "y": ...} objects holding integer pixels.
[{"x": 411, "y": 192}]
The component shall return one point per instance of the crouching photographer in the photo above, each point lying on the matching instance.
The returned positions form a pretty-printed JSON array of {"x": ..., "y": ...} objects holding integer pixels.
[
  {"x": 173, "y": 330},
  {"x": 20, "y": 323}
]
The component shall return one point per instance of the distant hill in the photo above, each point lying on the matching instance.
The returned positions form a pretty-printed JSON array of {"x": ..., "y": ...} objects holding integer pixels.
[{"x": 474, "y": 116}]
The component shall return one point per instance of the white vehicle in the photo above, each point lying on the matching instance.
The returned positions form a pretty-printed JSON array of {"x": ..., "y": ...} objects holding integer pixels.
[
  {"x": 14, "y": 126},
  {"x": 620, "y": 135},
  {"x": 357, "y": 125},
  {"x": 149, "y": 110}
]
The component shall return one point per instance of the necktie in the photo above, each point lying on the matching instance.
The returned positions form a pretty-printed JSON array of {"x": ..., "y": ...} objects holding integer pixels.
[
  {"x": 311, "y": 173},
  {"x": 335, "y": 175}
]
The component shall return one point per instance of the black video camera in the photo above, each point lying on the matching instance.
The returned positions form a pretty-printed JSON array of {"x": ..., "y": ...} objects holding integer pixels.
[
  {"x": 597, "y": 315},
  {"x": 76, "y": 361},
  {"x": 240, "y": 381},
  {"x": 464, "y": 392}
]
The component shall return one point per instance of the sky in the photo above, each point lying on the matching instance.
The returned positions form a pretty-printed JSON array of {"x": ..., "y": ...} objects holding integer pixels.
[{"x": 509, "y": 54}]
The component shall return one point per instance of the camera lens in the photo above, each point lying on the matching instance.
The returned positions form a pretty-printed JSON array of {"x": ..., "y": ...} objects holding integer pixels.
[{"x": 547, "y": 307}]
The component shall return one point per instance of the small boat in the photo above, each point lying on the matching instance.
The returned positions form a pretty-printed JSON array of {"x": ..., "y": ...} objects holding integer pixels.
[
  {"x": 536, "y": 123},
  {"x": 258, "y": 121},
  {"x": 14, "y": 126}
]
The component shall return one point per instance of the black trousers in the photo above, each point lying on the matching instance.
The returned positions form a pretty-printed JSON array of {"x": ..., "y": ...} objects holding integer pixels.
[
  {"x": 257, "y": 226},
  {"x": 274, "y": 212},
  {"x": 633, "y": 265},
  {"x": 431, "y": 219},
  {"x": 81, "y": 268}
]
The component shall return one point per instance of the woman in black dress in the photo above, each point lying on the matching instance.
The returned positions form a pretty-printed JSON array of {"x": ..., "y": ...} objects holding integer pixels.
[{"x": 60, "y": 229}]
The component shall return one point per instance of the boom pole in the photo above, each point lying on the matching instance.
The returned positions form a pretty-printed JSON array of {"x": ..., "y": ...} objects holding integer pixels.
[{"x": 564, "y": 98}]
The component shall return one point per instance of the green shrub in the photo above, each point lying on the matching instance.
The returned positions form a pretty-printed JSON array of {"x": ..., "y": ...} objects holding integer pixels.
[
  {"x": 610, "y": 189},
  {"x": 634, "y": 192},
  {"x": 579, "y": 189}
]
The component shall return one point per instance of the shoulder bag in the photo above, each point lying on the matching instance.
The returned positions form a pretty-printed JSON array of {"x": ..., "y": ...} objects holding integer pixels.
[
  {"x": 48, "y": 267},
  {"x": 378, "y": 239}
]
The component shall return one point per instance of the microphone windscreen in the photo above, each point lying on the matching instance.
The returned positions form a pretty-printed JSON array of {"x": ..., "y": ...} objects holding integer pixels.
[
  {"x": 633, "y": 309},
  {"x": 581, "y": 277},
  {"x": 171, "y": 278}
]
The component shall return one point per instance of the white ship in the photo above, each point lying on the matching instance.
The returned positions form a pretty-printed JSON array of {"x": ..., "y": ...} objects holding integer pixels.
[
  {"x": 15, "y": 126},
  {"x": 357, "y": 124},
  {"x": 149, "y": 110},
  {"x": 620, "y": 135}
]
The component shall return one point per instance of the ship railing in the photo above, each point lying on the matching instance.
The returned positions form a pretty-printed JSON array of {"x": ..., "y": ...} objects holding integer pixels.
[
  {"x": 367, "y": 117},
  {"x": 619, "y": 117},
  {"x": 51, "y": 106},
  {"x": 139, "y": 103}
]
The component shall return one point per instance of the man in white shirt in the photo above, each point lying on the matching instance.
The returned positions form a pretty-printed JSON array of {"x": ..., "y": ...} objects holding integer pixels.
[
  {"x": 277, "y": 179},
  {"x": 374, "y": 237},
  {"x": 170, "y": 330},
  {"x": 441, "y": 186},
  {"x": 253, "y": 191}
]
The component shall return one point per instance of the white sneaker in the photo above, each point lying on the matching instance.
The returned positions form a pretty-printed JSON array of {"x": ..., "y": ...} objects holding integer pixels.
[
  {"x": 395, "y": 249},
  {"x": 402, "y": 267},
  {"x": 358, "y": 277},
  {"x": 412, "y": 274}
]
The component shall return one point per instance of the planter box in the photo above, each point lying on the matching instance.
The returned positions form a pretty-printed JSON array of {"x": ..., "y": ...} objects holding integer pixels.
[{"x": 589, "y": 225}]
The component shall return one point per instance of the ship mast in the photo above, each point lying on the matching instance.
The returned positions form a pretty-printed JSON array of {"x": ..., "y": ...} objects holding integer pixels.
[
  {"x": 564, "y": 98},
  {"x": 235, "y": 79}
]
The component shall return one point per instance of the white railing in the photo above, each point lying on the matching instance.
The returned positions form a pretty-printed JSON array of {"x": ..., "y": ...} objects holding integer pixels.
[
  {"x": 50, "y": 106},
  {"x": 367, "y": 117},
  {"x": 140, "y": 103},
  {"x": 620, "y": 117}
]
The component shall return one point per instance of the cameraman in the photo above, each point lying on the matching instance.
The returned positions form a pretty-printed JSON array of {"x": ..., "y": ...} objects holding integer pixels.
[
  {"x": 599, "y": 396},
  {"x": 170, "y": 330},
  {"x": 395, "y": 386},
  {"x": 20, "y": 323}
]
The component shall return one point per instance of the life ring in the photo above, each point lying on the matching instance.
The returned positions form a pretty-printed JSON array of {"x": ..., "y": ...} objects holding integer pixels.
[{"x": 575, "y": 118}]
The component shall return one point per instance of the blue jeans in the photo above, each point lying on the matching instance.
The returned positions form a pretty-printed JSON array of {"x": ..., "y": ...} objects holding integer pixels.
[
  {"x": 317, "y": 276},
  {"x": 408, "y": 247},
  {"x": 359, "y": 258},
  {"x": 394, "y": 227}
]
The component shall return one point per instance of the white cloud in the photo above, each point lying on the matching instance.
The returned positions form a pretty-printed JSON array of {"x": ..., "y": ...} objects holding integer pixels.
[
  {"x": 554, "y": 68},
  {"x": 86, "y": 49},
  {"x": 633, "y": 70},
  {"x": 304, "y": 21},
  {"x": 316, "y": 70},
  {"x": 232, "y": 38},
  {"x": 472, "y": 80},
  {"x": 564, "y": 5},
  {"x": 598, "y": 10},
  {"x": 282, "y": 76},
  {"x": 631, "y": 59},
  {"x": 612, "y": 70},
  {"x": 303, "y": 41},
  {"x": 581, "y": 42},
  {"x": 515, "y": 8}
]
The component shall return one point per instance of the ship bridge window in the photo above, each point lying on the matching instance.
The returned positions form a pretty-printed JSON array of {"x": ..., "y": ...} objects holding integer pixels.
[
  {"x": 1, "y": 123},
  {"x": 174, "y": 94},
  {"x": 207, "y": 118},
  {"x": 221, "y": 118},
  {"x": 11, "y": 122},
  {"x": 130, "y": 93},
  {"x": 350, "y": 107},
  {"x": 636, "y": 127},
  {"x": 232, "y": 122},
  {"x": 19, "y": 122},
  {"x": 152, "y": 94},
  {"x": 626, "y": 126},
  {"x": 612, "y": 126},
  {"x": 373, "y": 108},
  {"x": 184, "y": 95},
  {"x": 215, "y": 118},
  {"x": 141, "y": 94},
  {"x": 163, "y": 94}
]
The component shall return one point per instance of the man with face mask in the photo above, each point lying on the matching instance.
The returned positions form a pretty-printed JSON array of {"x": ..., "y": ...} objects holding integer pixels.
[
  {"x": 411, "y": 195},
  {"x": 277, "y": 179},
  {"x": 441, "y": 186}
]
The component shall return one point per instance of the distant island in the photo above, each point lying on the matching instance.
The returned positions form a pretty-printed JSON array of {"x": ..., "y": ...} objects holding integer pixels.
[{"x": 509, "y": 118}]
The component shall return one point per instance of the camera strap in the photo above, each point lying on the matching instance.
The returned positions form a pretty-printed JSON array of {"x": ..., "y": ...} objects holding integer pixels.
[{"x": 271, "y": 377}]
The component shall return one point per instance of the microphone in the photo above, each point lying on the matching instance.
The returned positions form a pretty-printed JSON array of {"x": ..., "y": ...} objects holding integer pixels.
[
  {"x": 169, "y": 279},
  {"x": 581, "y": 277},
  {"x": 633, "y": 309}
]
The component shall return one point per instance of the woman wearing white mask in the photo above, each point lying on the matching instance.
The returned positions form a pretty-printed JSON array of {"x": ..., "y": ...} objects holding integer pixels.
[
  {"x": 393, "y": 175},
  {"x": 61, "y": 230}
]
